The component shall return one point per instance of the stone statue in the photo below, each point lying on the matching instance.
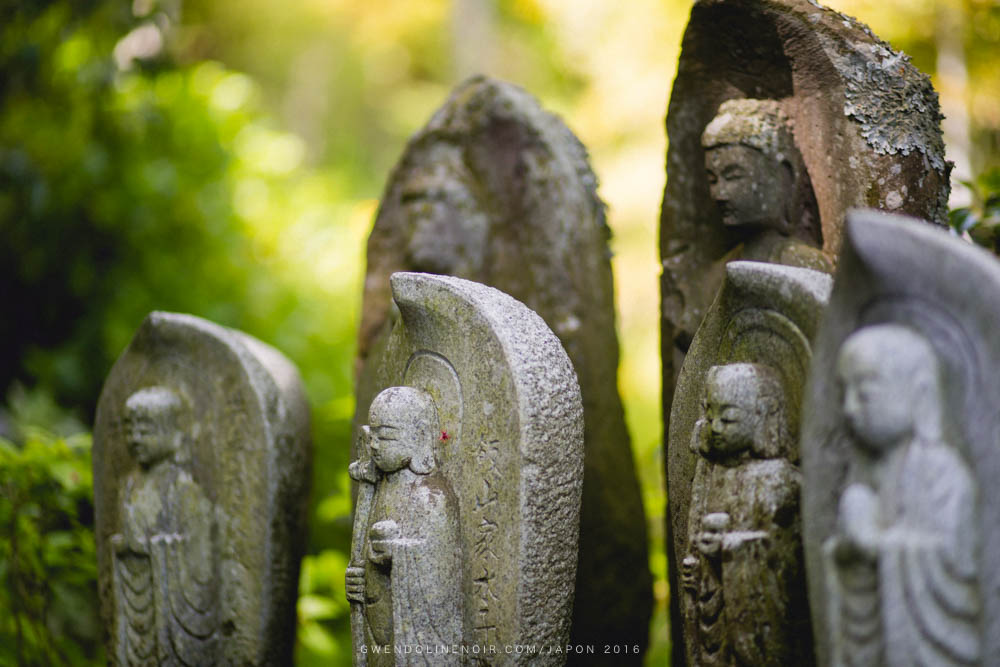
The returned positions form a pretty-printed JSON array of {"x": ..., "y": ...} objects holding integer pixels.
[
  {"x": 902, "y": 565},
  {"x": 201, "y": 465},
  {"x": 899, "y": 446},
  {"x": 410, "y": 582},
  {"x": 743, "y": 573},
  {"x": 819, "y": 114},
  {"x": 759, "y": 183},
  {"x": 497, "y": 190},
  {"x": 732, "y": 465},
  {"x": 469, "y": 477},
  {"x": 166, "y": 564}
]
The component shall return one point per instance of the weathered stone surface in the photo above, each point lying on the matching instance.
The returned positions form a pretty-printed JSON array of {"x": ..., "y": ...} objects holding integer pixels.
[
  {"x": 201, "y": 463},
  {"x": 732, "y": 465},
  {"x": 496, "y": 190},
  {"x": 854, "y": 122},
  {"x": 901, "y": 454},
  {"x": 470, "y": 473}
]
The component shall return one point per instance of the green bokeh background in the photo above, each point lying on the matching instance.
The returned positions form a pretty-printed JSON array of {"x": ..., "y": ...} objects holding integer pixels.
[{"x": 224, "y": 158}]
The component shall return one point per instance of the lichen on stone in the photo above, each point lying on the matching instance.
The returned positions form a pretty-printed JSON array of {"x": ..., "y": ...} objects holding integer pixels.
[{"x": 893, "y": 102}]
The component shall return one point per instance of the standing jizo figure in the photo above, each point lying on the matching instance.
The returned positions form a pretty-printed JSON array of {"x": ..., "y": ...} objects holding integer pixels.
[
  {"x": 166, "y": 565},
  {"x": 409, "y": 583},
  {"x": 902, "y": 567},
  {"x": 743, "y": 573}
]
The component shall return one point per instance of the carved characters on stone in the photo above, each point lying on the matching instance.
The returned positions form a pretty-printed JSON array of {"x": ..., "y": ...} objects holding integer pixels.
[
  {"x": 469, "y": 475},
  {"x": 166, "y": 564},
  {"x": 902, "y": 565},
  {"x": 201, "y": 464},
  {"x": 743, "y": 573},
  {"x": 408, "y": 582},
  {"x": 759, "y": 183}
]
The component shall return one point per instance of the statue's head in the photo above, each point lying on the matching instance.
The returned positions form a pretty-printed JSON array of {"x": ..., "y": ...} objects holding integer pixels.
[
  {"x": 448, "y": 229},
  {"x": 152, "y": 425},
  {"x": 752, "y": 165},
  {"x": 745, "y": 412},
  {"x": 404, "y": 427},
  {"x": 891, "y": 382}
]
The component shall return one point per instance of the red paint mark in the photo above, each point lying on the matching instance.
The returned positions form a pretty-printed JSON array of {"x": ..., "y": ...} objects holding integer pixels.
[{"x": 444, "y": 436}]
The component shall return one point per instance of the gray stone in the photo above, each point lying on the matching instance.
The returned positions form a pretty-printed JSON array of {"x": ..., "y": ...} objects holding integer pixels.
[
  {"x": 496, "y": 190},
  {"x": 819, "y": 109},
  {"x": 201, "y": 472},
  {"x": 732, "y": 466},
  {"x": 900, "y": 452},
  {"x": 470, "y": 472}
]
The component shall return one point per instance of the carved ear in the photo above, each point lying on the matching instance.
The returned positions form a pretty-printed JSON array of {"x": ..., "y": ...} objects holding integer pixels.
[{"x": 422, "y": 463}]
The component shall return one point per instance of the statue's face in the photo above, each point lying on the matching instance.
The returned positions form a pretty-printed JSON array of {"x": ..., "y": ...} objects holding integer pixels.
[
  {"x": 150, "y": 439},
  {"x": 733, "y": 421},
  {"x": 448, "y": 231},
  {"x": 391, "y": 445},
  {"x": 749, "y": 187},
  {"x": 876, "y": 404}
]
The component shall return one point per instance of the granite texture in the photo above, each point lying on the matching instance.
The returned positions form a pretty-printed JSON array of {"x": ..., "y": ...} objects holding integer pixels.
[
  {"x": 509, "y": 446},
  {"x": 201, "y": 464}
]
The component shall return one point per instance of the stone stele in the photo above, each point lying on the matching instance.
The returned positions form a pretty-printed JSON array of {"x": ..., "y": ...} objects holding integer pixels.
[
  {"x": 735, "y": 550},
  {"x": 201, "y": 461},
  {"x": 496, "y": 190},
  {"x": 783, "y": 115},
  {"x": 469, "y": 472},
  {"x": 901, "y": 452}
]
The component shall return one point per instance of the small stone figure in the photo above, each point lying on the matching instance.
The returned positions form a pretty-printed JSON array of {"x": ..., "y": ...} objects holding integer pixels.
[
  {"x": 758, "y": 180},
  {"x": 743, "y": 573},
  {"x": 165, "y": 561},
  {"x": 902, "y": 566},
  {"x": 409, "y": 582}
]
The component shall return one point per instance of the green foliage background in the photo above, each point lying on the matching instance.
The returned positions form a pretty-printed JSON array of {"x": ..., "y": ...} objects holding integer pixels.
[{"x": 224, "y": 158}]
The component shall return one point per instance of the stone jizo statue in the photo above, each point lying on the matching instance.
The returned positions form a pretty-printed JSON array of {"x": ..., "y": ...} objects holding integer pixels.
[
  {"x": 902, "y": 565},
  {"x": 743, "y": 568},
  {"x": 469, "y": 475},
  {"x": 758, "y": 181},
  {"x": 408, "y": 582},
  {"x": 201, "y": 464},
  {"x": 165, "y": 561}
]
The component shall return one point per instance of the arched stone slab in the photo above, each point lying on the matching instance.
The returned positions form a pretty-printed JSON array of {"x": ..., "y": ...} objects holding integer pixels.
[
  {"x": 510, "y": 448},
  {"x": 946, "y": 292},
  {"x": 765, "y": 315},
  {"x": 211, "y": 535}
]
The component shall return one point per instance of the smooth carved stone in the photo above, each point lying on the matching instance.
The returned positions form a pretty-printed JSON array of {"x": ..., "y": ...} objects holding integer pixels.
[
  {"x": 733, "y": 476},
  {"x": 470, "y": 473},
  {"x": 201, "y": 467},
  {"x": 900, "y": 452},
  {"x": 496, "y": 190}
]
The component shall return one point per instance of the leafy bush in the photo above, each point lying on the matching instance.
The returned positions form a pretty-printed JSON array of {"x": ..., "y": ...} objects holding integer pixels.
[{"x": 47, "y": 559}]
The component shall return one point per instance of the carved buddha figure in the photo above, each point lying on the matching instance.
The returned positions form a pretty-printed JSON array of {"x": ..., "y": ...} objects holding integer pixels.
[
  {"x": 758, "y": 180},
  {"x": 448, "y": 228},
  {"x": 165, "y": 561},
  {"x": 742, "y": 576},
  {"x": 902, "y": 567},
  {"x": 410, "y": 584}
]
